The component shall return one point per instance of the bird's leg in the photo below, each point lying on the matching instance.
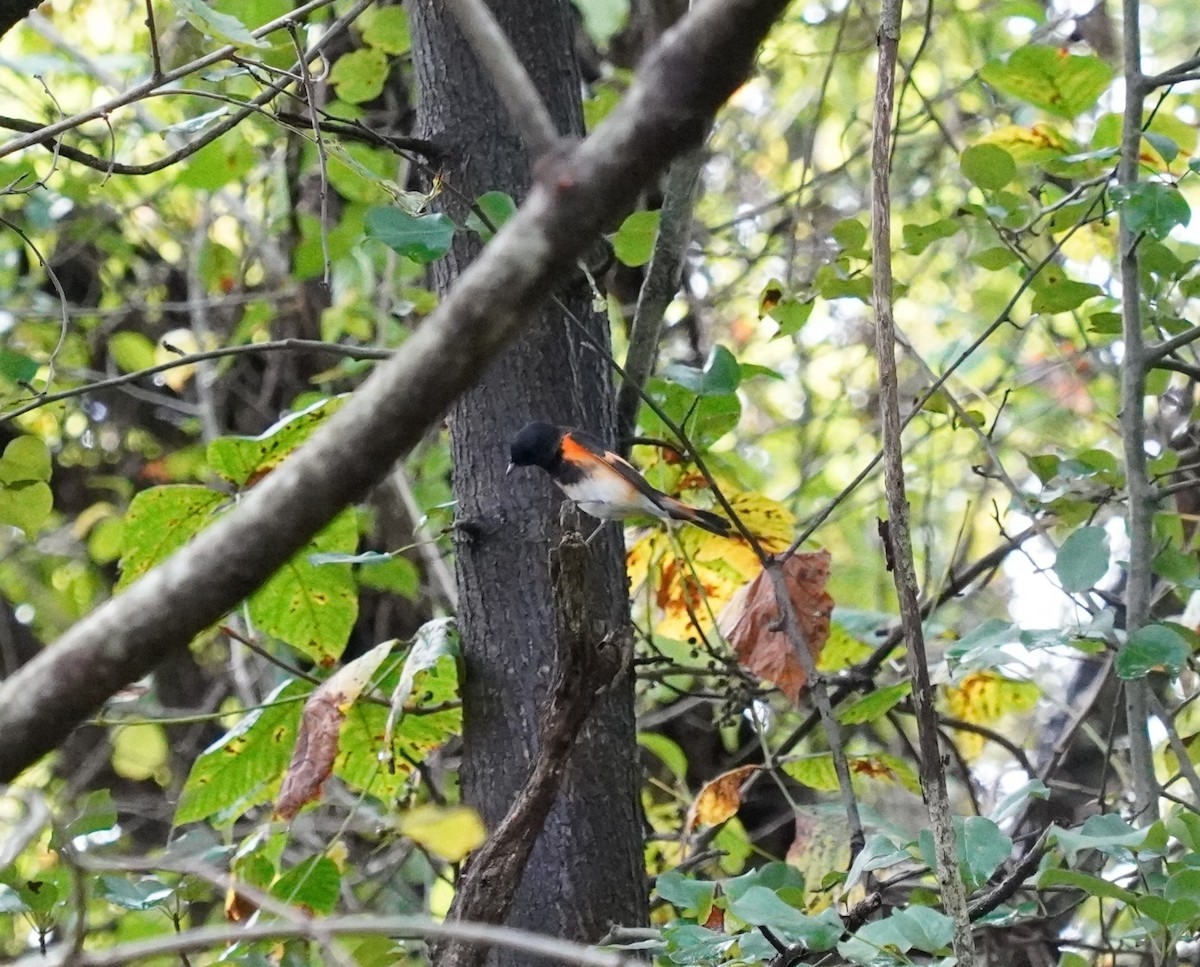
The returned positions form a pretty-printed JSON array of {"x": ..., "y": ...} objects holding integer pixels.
[{"x": 599, "y": 527}]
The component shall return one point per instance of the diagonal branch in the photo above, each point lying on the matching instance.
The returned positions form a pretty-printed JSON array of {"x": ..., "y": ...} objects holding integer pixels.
[{"x": 685, "y": 78}]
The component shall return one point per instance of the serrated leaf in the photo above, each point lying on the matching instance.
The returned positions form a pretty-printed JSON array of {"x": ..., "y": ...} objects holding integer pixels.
[
  {"x": 313, "y": 885},
  {"x": 1083, "y": 559},
  {"x": 634, "y": 242},
  {"x": 244, "y": 767},
  {"x": 312, "y": 607},
  {"x": 1152, "y": 648},
  {"x": 1064, "y": 84},
  {"x": 242, "y": 459},
  {"x": 159, "y": 522},
  {"x": 422, "y": 238}
]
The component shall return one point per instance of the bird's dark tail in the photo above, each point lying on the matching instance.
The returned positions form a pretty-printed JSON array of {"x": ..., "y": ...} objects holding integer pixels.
[{"x": 703, "y": 519}]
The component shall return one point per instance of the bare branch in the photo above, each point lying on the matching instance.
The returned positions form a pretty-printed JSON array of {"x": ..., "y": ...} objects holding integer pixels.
[
  {"x": 1134, "y": 366},
  {"x": 318, "y": 929},
  {"x": 684, "y": 79},
  {"x": 658, "y": 288},
  {"x": 898, "y": 540}
]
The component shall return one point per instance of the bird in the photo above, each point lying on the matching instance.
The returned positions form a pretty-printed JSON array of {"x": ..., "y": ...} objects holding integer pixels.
[{"x": 601, "y": 483}]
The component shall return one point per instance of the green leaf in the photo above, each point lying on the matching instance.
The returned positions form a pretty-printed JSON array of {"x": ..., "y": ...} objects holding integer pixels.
[
  {"x": 791, "y": 315},
  {"x": 359, "y": 76},
  {"x": 395, "y": 574},
  {"x": 1082, "y": 560},
  {"x": 243, "y": 768},
  {"x": 634, "y": 242},
  {"x": 229, "y": 158},
  {"x": 983, "y": 847},
  {"x": 875, "y": 705},
  {"x": 916, "y": 926},
  {"x": 1033, "y": 789},
  {"x": 314, "y": 884},
  {"x": 159, "y": 522},
  {"x": 917, "y": 238},
  {"x": 850, "y": 234},
  {"x": 719, "y": 376},
  {"x": 131, "y": 351},
  {"x": 1092, "y": 885},
  {"x": 220, "y": 26},
  {"x": 240, "y": 459},
  {"x": 1063, "y": 84},
  {"x": 1151, "y": 207},
  {"x": 26, "y": 459},
  {"x": 603, "y": 19},
  {"x": 707, "y": 420},
  {"x": 498, "y": 207},
  {"x": 1108, "y": 833},
  {"x": 428, "y": 680},
  {"x": 1166, "y": 147},
  {"x": 1152, "y": 648},
  {"x": 144, "y": 893},
  {"x": 763, "y": 907},
  {"x": 386, "y": 29},
  {"x": 16, "y": 367},
  {"x": 1105, "y": 323},
  {"x": 988, "y": 166},
  {"x": 312, "y": 607},
  {"x": 995, "y": 258},
  {"x": 1063, "y": 295},
  {"x": 691, "y": 897},
  {"x": 422, "y": 238}
]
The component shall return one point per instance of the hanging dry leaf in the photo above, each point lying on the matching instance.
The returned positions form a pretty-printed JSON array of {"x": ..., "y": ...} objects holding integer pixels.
[
  {"x": 750, "y": 623},
  {"x": 320, "y": 724},
  {"x": 719, "y": 798}
]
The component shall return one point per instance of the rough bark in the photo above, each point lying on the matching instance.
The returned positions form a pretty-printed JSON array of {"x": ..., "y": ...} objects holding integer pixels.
[{"x": 586, "y": 870}]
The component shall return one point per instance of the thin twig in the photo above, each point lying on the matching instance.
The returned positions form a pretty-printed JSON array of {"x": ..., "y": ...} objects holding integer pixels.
[
  {"x": 290, "y": 345},
  {"x": 658, "y": 288},
  {"x": 155, "y": 56},
  {"x": 932, "y": 773}
]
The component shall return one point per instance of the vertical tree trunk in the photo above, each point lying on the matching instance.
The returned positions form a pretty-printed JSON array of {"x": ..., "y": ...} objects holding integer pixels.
[{"x": 587, "y": 869}]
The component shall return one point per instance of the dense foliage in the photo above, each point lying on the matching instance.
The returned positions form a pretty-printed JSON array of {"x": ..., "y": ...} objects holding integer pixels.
[{"x": 199, "y": 272}]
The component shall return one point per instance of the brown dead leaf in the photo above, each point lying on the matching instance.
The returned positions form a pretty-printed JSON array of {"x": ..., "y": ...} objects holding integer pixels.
[
  {"x": 719, "y": 798},
  {"x": 750, "y": 622},
  {"x": 320, "y": 724}
]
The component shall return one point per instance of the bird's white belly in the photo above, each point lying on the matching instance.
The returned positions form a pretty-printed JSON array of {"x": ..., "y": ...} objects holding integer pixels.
[{"x": 611, "y": 499}]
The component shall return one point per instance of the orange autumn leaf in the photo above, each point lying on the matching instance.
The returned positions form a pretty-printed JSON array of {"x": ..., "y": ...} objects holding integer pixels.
[
  {"x": 751, "y": 622},
  {"x": 719, "y": 799}
]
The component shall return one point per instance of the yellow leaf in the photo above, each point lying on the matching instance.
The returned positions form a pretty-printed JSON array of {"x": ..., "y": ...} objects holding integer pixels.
[
  {"x": 139, "y": 751},
  {"x": 720, "y": 798},
  {"x": 983, "y": 698},
  {"x": 450, "y": 832}
]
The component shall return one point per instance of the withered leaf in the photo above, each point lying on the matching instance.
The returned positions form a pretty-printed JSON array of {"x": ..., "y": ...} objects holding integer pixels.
[
  {"x": 320, "y": 724},
  {"x": 750, "y": 623},
  {"x": 719, "y": 798}
]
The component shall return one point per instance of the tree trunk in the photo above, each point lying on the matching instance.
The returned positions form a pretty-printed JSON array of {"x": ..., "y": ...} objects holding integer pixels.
[{"x": 586, "y": 871}]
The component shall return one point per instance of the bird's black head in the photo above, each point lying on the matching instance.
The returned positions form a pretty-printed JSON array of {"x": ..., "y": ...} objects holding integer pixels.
[{"x": 537, "y": 445}]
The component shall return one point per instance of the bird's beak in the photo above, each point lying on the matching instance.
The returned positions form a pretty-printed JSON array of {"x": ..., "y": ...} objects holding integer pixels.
[{"x": 510, "y": 469}]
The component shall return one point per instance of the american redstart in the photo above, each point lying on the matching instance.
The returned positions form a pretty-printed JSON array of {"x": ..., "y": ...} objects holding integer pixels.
[{"x": 600, "y": 482}]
